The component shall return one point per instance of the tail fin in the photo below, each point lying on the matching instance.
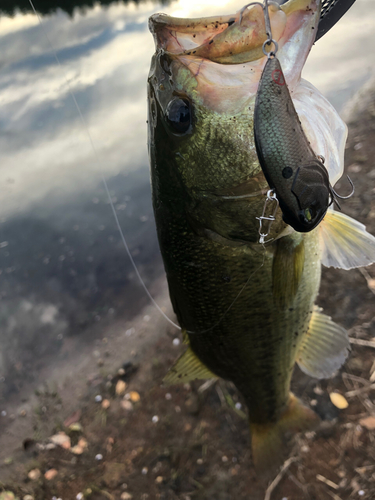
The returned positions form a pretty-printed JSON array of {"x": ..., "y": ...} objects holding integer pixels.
[{"x": 268, "y": 440}]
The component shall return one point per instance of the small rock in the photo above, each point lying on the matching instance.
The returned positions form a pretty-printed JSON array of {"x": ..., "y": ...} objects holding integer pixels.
[
  {"x": 168, "y": 396},
  {"x": 155, "y": 419},
  {"x": 338, "y": 400},
  {"x": 176, "y": 341},
  {"x": 368, "y": 423},
  {"x": 7, "y": 495},
  {"x": 28, "y": 497},
  {"x": 144, "y": 470},
  {"x": 126, "y": 496},
  {"x": 99, "y": 457},
  {"x": 50, "y": 474},
  {"x": 354, "y": 168},
  {"x": 120, "y": 387},
  {"x": 61, "y": 439},
  {"x": 76, "y": 427},
  {"x": 159, "y": 479},
  {"x": 98, "y": 398},
  {"x": 22, "y": 413},
  {"x": 106, "y": 404},
  {"x": 77, "y": 450},
  {"x": 34, "y": 474},
  {"x": 126, "y": 405},
  {"x": 134, "y": 396}
]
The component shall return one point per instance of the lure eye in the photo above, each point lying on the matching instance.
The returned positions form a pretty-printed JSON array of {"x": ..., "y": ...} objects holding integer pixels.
[
  {"x": 178, "y": 115},
  {"x": 308, "y": 214}
]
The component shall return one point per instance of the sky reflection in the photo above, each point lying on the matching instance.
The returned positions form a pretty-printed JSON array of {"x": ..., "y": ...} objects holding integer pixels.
[{"x": 105, "y": 56}]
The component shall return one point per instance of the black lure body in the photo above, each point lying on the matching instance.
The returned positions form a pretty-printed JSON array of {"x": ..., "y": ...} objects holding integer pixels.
[{"x": 289, "y": 164}]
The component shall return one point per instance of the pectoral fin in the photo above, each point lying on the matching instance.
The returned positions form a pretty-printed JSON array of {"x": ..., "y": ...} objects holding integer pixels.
[
  {"x": 324, "y": 348},
  {"x": 187, "y": 368},
  {"x": 344, "y": 242},
  {"x": 287, "y": 270}
]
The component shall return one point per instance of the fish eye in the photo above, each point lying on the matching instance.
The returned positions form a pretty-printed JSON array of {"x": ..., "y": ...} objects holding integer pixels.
[{"x": 178, "y": 115}]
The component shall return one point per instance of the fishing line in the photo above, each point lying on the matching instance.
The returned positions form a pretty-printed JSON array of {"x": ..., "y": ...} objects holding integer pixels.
[{"x": 96, "y": 155}]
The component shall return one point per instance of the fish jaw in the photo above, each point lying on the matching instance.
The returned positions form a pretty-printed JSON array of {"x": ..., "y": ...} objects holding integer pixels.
[{"x": 224, "y": 54}]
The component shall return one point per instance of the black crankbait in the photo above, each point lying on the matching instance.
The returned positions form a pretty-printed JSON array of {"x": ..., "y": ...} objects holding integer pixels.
[{"x": 291, "y": 167}]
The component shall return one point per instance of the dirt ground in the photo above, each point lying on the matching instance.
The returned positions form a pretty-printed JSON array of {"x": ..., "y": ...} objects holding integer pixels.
[{"x": 192, "y": 442}]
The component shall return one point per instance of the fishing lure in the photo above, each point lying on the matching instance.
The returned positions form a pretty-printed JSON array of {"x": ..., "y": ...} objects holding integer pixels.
[{"x": 292, "y": 169}]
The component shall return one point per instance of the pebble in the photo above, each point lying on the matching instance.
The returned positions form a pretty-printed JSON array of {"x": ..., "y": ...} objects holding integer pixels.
[
  {"x": 134, "y": 396},
  {"x": 99, "y": 456},
  {"x": 224, "y": 459},
  {"x": 238, "y": 406},
  {"x": 177, "y": 409},
  {"x": 338, "y": 400},
  {"x": 61, "y": 439},
  {"x": 168, "y": 396},
  {"x": 144, "y": 470},
  {"x": 159, "y": 480},
  {"x": 50, "y": 474},
  {"x": 34, "y": 474},
  {"x": 98, "y": 398},
  {"x": 120, "y": 387},
  {"x": 28, "y": 497},
  {"x": 155, "y": 419},
  {"x": 361, "y": 493},
  {"x": 77, "y": 450},
  {"x": 3, "y": 413},
  {"x": 176, "y": 341},
  {"x": 106, "y": 404},
  {"x": 79, "y": 496},
  {"x": 126, "y": 496},
  {"x": 126, "y": 405}
]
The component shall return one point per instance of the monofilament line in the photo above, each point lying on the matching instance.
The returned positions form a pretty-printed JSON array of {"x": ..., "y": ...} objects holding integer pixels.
[
  {"x": 96, "y": 157},
  {"x": 102, "y": 175}
]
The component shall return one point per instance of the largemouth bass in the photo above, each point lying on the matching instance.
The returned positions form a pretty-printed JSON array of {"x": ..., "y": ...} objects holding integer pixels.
[{"x": 246, "y": 310}]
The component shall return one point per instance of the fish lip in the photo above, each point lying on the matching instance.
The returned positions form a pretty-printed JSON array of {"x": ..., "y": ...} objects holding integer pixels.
[{"x": 194, "y": 36}]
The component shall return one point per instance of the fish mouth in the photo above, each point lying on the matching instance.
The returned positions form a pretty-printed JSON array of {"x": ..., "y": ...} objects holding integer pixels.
[{"x": 237, "y": 38}]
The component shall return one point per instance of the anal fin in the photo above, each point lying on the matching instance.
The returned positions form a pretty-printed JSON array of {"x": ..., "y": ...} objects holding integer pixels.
[
  {"x": 344, "y": 242},
  {"x": 187, "y": 368},
  {"x": 325, "y": 347}
]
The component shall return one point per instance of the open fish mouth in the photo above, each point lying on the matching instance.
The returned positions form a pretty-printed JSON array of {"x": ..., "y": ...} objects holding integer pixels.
[{"x": 238, "y": 38}]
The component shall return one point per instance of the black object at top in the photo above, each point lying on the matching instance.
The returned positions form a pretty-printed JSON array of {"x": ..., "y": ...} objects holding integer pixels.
[{"x": 332, "y": 11}]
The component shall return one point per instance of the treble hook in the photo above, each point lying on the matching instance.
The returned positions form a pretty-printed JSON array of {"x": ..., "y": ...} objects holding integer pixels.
[
  {"x": 267, "y": 22},
  {"x": 349, "y": 195},
  {"x": 335, "y": 195},
  {"x": 246, "y": 6}
]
